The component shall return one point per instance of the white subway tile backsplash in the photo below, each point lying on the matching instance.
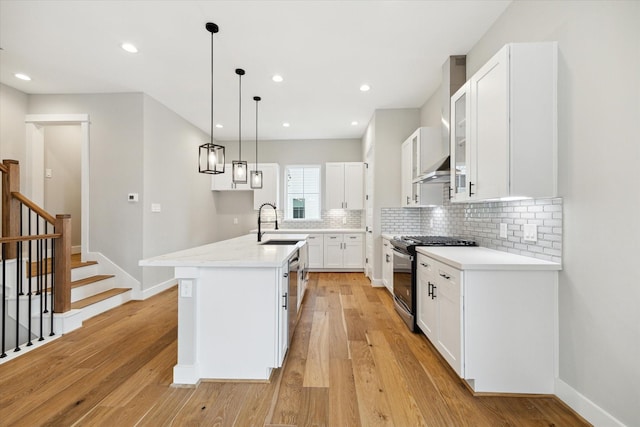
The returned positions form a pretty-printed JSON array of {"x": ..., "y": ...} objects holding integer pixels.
[{"x": 480, "y": 221}]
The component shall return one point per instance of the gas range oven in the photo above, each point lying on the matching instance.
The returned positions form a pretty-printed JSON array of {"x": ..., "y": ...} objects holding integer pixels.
[{"x": 404, "y": 270}]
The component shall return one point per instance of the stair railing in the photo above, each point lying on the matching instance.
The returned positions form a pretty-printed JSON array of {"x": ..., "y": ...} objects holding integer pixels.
[{"x": 29, "y": 232}]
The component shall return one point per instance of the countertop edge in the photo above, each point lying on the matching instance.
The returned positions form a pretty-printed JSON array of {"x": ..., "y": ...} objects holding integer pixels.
[{"x": 513, "y": 262}]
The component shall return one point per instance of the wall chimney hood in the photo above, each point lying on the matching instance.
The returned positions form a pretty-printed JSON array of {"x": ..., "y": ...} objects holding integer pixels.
[
  {"x": 437, "y": 173},
  {"x": 454, "y": 75}
]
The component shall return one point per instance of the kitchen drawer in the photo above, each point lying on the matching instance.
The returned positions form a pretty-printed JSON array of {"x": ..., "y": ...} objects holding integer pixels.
[
  {"x": 353, "y": 237},
  {"x": 315, "y": 239}
]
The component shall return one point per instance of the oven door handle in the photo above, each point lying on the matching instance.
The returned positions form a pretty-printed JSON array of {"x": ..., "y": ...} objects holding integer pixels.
[{"x": 402, "y": 255}]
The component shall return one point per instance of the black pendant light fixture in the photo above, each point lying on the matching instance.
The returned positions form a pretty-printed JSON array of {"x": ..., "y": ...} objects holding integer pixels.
[
  {"x": 239, "y": 168},
  {"x": 211, "y": 156},
  {"x": 256, "y": 175}
]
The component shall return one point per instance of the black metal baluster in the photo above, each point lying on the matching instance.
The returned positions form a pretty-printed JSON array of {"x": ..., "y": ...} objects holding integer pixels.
[
  {"x": 17, "y": 299},
  {"x": 4, "y": 299},
  {"x": 53, "y": 281},
  {"x": 19, "y": 267},
  {"x": 41, "y": 290},
  {"x": 46, "y": 268}
]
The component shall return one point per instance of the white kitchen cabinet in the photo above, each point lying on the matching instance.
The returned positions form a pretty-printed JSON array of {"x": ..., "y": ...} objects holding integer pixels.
[
  {"x": 270, "y": 191},
  {"x": 460, "y": 147},
  {"x": 419, "y": 151},
  {"x": 224, "y": 182},
  {"x": 344, "y": 251},
  {"x": 344, "y": 185},
  {"x": 387, "y": 264},
  {"x": 512, "y": 130},
  {"x": 283, "y": 314},
  {"x": 440, "y": 308},
  {"x": 495, "y": 326},
  {"x": 315, "y": 244}
]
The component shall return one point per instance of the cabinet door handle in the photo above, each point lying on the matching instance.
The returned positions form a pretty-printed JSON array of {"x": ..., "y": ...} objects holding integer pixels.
[
  {"x": 470, "y": 185},
  {"x": 408, "y": 200},
  {"x": 388, "y": 258},
  {"x": 445, "y": 276},
  {"x": 286, "y": 300},
  {"x": 415, "y": 198},
  {"x": 430, "y": 291},
  {"x": 450, "y": 193},
  {"x": 433, "y": 291}
]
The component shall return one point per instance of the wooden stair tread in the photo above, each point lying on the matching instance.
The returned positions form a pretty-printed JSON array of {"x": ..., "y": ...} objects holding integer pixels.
[
  {"x": 90, "y": 279},
  {"x": 76, "y": 262},
  {"x": 98, "y": 297}
]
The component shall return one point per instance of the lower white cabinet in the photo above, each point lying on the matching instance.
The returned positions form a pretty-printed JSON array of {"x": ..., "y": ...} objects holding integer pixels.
[
  {"x": 315, "y": 244},
  {"x": 387, "y": 264},
  {"x": 344, "y": 251},
  {"x": 495, "y": 326},
  {"x": 283, "y": 314}
]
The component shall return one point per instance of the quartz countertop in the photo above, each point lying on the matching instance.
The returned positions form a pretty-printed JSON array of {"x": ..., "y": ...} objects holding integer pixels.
[
  {"x": 479, "y": 258},
  {"x": 243, "y": 251}
]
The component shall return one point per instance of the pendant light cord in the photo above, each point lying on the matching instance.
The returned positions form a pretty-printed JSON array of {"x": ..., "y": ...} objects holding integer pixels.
[
  {"x": 257, "y": 99},
  {"x": 240, "y": 116},
  {"x": 211, "y": 87}
]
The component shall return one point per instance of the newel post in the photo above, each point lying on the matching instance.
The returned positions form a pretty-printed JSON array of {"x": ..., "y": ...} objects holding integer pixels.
[
  {"x": 10, "y": 206},
  {"x": 62, "y": 262}
]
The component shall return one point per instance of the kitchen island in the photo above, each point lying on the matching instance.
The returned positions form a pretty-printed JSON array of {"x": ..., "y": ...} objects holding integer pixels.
[{"x": 233, "y": 306}]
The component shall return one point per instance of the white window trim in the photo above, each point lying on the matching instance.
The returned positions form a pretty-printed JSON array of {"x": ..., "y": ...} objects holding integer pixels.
[{"x": 286, "y": 194}]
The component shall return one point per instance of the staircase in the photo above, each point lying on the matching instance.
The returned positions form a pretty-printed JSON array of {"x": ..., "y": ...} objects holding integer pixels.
[{"x": 91, "y": 292}]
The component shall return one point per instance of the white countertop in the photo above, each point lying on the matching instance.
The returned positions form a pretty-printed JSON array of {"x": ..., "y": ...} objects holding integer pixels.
[
  {"x": 478, "y": 258},
  {"x": 389, "y": 236},
  {"x": 313, "y": 230},
  {"x": 243, "y": 251}
]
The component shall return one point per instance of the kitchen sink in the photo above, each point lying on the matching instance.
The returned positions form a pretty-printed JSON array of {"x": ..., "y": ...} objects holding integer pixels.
[{"x": 280, "y": 242}]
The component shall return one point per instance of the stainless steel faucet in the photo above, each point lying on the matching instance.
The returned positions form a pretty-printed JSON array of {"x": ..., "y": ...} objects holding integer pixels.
[{"x": 260, "y": 233}]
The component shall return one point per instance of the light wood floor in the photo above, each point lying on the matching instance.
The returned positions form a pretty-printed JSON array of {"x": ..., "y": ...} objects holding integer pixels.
[{"x": 352, "y": 363}]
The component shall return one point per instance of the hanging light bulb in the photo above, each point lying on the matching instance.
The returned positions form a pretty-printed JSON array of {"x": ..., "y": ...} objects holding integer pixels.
[
  {"x": 239, "y": 168},
  {"x": 211, "y": 156},
  {"x": 256, "y": 175}
]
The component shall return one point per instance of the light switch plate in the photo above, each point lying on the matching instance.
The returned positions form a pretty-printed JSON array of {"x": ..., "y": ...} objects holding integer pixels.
[
  {"x": 530, "y": 233},
  {"x": 48, "y": 173},
  {"x": 186, "y": 289},
  {"x": 503, "y": 231}
]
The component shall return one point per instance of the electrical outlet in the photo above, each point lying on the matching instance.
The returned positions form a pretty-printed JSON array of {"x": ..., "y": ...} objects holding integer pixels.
[
  {"x": 48, "y": 173},
  {"x": 530, "y": 233},
  {"x": 235, "y": 221},
  {"x": 132, "y": 197},
  {"x": 186, "y": 289},
  {"x": 155, "y": 207},
  {"x": 344, "y": 220},
  {"x": 503, "y": 231}
]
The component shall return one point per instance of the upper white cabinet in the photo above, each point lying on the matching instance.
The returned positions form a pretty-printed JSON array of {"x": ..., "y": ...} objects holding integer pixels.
[
  {"x": 504, "y": 138},
  {"x": 421, "y": 150},
  {"x": 270, "y": 191},
  {"x": 223, "y": 181},
  {"x": 344, "y": 185}
]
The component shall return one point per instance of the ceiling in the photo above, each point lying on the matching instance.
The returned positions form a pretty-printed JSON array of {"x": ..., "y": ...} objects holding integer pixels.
[{"x": 323, "y": 49}]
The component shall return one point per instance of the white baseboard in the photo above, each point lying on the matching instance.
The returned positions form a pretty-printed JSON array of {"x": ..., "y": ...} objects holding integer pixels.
[
  {"x": 376, "y": 283},
  {"x": 123, "y": 278},
  {"x": 160, "y": 287},
  {"x": 76, "y": 249},
  {"x": 585, "y": 407}
]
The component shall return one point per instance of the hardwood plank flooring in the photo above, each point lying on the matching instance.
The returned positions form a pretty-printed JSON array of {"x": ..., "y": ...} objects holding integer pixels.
[{"x": 352, "y": 363}]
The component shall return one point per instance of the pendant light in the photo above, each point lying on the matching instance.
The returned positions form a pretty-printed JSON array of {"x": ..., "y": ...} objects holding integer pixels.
[
  {"x": 239, "y": 168},
  {"x": 256, "y": 175},
  {"x": 211, "y": 156}
]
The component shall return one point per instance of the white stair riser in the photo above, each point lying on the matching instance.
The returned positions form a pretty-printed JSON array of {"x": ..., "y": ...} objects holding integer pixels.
[
  {"x": 84, "y": 272},
  {"x": 91, "y": 289},
  {"x": 105, "y": 305}
]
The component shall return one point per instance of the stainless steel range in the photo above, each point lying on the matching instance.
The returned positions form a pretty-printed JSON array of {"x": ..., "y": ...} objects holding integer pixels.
[{"x": 404, "y": 270}]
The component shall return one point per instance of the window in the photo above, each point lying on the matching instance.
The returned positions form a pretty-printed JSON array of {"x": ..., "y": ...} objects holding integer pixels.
[{"x": 303, "y": 192}]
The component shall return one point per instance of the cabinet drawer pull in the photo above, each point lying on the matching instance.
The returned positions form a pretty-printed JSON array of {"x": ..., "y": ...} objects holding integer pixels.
[
  {"x": 424, "y": 264},
  {"x": 445, "y": 276},
  {"x": 352, "y": 237}
]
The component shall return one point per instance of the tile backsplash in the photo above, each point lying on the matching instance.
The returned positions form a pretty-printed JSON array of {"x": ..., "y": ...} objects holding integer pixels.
[
  {"x": 335, "y": 218},
  {"x": 481, "y": 221}
]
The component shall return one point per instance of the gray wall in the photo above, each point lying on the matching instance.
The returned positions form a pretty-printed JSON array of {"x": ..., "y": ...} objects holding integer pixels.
[
  {"x": 171, "y": 179},
  {"x": 598, "y": 128},
  {"x": 116, "y": 156},
  {"x": 62, "y": 149}
]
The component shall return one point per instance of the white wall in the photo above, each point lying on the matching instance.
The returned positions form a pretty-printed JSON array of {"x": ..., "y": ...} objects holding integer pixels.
[
  {"x": 599, "y": 152},
  {"x": 13, "y": 108}
]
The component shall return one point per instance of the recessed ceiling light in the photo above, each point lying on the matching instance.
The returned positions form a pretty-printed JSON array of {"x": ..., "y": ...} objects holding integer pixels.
[
  {"x": 365, "y": 87},
  {"x": 22, "y": 76},
  {"x": 354, "y": 123},
  {"x": 286, "y": 124},
  {"x": 129, "y": 48},
  {"x": 277, "y": 78},
  {"x": 219, "y": 126}
]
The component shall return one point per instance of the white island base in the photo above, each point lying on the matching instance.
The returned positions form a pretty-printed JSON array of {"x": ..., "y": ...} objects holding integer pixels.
[
  {"x": 227, "y": 328},
  {"x": 232, "y": 308}
]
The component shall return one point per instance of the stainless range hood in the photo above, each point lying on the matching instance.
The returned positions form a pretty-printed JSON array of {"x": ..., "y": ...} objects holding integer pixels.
[
  {"x": 437, "y": 173},
  {"x": 454, "y": 75}
]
